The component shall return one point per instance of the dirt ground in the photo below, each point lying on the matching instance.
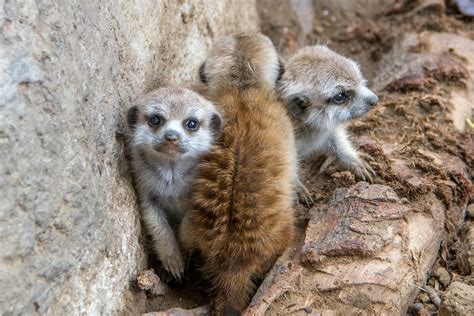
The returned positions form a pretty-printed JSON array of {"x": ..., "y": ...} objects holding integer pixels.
[{"x": 418, "y": 135}]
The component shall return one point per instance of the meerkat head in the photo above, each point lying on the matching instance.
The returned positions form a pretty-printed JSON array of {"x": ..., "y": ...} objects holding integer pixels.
[
  {"x": 173, "y": 123},
  {"x": 322, "y": 88},
  {"x": 241, "y": 61}
]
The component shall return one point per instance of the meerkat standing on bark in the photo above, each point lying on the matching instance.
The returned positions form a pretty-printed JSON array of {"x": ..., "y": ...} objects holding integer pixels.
[
  {"x": 323, "y": 90},
  {"x": 242, "y": 218},
  {"x": 171, "y": 128}
]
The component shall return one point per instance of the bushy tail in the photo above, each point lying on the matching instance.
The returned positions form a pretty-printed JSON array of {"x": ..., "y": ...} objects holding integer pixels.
[{"x": 233, "y": 291}]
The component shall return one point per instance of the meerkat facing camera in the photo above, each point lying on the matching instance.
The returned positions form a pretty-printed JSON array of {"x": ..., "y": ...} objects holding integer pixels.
[
  {"x": 324, "y": 90},
  {"x": 242, "y": 218},
  {"x": 171, "y": 128}
]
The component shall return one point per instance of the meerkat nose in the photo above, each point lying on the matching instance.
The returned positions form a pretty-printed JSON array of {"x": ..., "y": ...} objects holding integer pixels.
[
  {"x": 172, "y": 136},
  {"x": 373, "y": 100}
]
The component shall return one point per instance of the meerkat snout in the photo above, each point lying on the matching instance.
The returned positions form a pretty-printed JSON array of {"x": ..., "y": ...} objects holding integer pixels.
[
  {"x": 172, "y": 137},
  {"x": 371, "y": 98}
]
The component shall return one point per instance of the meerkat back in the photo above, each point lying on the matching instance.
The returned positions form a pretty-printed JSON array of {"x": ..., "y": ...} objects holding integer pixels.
[{"x": 243, "y": 194}]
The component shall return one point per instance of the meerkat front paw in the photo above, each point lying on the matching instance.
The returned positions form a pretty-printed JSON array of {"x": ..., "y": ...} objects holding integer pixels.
[
  {"x": 362, "y": 169},
  {"x": 173, "y": 263}
]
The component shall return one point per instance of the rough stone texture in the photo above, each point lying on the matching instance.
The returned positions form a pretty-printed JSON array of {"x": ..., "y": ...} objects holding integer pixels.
[
  {"x": 458, "y": 300},
  {"x": 69, "y": 227}
]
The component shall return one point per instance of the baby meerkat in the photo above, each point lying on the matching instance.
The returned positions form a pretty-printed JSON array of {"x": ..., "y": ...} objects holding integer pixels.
[
  {"x": 323, "y": 90},
  {"x": 171, "y": 128},
  {"x": 242, "y": 217}
]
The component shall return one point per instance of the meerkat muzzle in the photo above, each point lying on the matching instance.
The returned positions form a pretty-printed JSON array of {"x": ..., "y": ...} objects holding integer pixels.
[{"x": 172, "y": 137}]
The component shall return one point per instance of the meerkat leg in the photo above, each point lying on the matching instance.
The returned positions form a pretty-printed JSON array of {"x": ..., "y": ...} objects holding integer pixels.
[
  {"x": 164, "y": 240},
  {"x": 348, "y": 157},
  {"x": 187, "y": 239}
]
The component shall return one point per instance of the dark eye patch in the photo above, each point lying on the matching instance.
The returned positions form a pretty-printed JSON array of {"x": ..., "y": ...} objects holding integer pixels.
[
  {"x": 191, "y": 124},
  {"x": 202, "y": 74},
  {"x": 155, "y": 120},
  {"x": 341, "y": 97}
]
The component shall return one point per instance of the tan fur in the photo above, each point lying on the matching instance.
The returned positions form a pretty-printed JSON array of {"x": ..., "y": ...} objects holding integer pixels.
[
  {"x": 242, "y": 218},
  {"x": 242, "y": 61}
]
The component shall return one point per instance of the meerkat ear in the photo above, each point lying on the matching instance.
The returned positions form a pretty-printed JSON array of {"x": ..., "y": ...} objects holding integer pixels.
[
  {"x": 202, "y": 74},
  {"x": 297, "y": 104},
  {"x": 281, "y": 70},
  {"x": 132, "y": 116},
  {"x": 215, "y": 124}
]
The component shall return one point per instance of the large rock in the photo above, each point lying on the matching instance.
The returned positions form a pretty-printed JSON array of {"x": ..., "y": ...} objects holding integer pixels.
[{"x": 69, "y": 226}]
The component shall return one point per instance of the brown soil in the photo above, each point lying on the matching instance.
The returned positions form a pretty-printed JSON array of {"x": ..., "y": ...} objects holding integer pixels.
[{"x": 410, "y": 130}]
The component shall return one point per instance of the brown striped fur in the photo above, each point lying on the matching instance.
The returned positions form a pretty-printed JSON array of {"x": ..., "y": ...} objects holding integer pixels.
[{"x": 242, "y": 218}]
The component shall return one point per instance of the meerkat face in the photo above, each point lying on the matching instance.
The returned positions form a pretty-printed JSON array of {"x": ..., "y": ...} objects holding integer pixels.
[
  {"x": 322, "y": 88},
  {"x": 173, "y": 123},
  {"x": 242, "y": 60}
]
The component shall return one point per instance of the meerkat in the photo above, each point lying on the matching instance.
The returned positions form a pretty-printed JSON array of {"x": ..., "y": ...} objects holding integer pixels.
[
  {"x": 171, "y": 128},
  {"x": 323, "y": 91},
  {"x": 242, "y": 217}
]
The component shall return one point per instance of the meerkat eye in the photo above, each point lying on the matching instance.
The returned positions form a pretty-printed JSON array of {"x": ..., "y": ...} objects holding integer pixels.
[
  {"x": 340, "y": 98},
  {"x": 154, "y": 121},
  {"x": 192, "y": 125}
]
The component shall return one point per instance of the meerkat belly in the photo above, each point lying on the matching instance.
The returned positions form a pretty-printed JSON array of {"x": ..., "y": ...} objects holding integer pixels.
[{"x": 174, "y": 193}]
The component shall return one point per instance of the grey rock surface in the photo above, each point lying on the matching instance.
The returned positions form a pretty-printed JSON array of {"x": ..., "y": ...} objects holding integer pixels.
[{"x": 69, "y": 224}]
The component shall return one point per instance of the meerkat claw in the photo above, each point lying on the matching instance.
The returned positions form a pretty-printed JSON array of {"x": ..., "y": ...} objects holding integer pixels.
[
  {"x": 305, "y": 196},
  {"x": 174, "y": 266},
  {"x": 366, "y": 156}
]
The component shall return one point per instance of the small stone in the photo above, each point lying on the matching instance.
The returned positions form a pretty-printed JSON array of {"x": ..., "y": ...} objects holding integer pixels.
[
  {"x": 443, "y": 276},
  {"x": 424, "y": 298},
  {"x": 151, "y": 284},
  {"x": 413, "y": 309},
  {"x": 185, "y": 12},
  {"x": 470, "y": 211}
]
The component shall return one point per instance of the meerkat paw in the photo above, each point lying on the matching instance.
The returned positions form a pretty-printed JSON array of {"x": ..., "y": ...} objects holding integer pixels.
[
  {"x": 304, "y": 196},
  {"x": 174, "y": 265},
  {"x": 363, "y": 170}
]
